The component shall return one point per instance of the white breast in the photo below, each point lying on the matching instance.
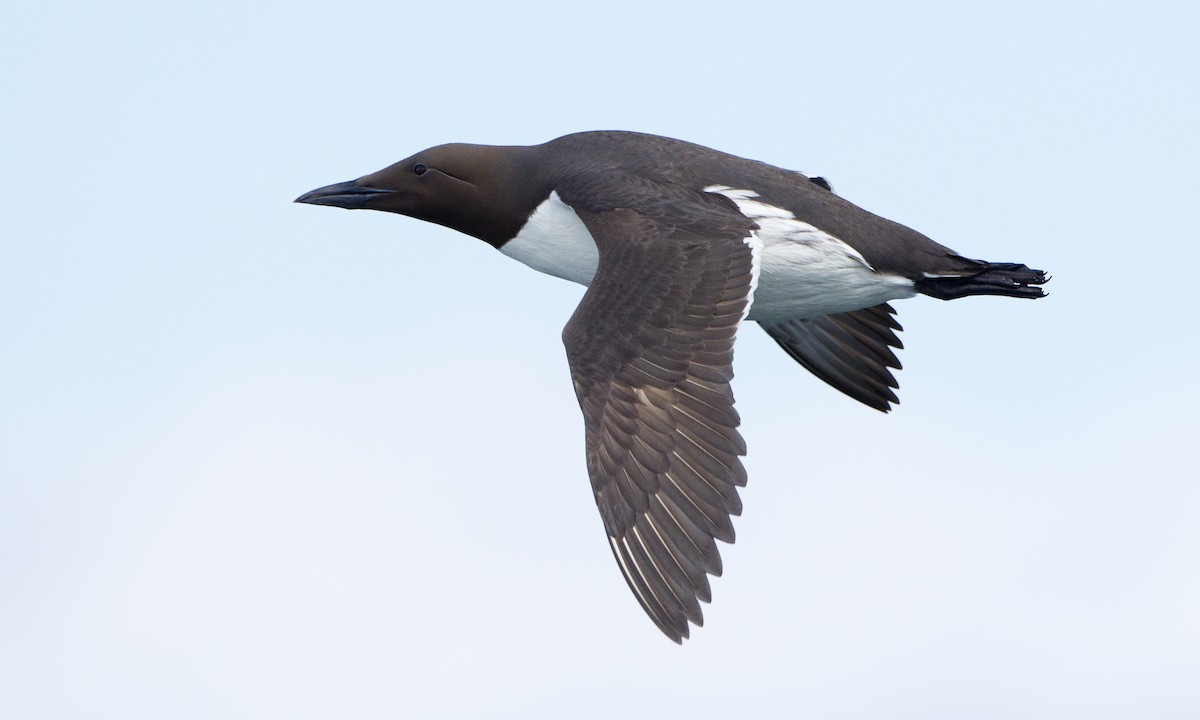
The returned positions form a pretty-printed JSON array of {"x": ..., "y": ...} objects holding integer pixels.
[
  {"x": 555, "y": 241},
  {"x": 803, "y": 271}
]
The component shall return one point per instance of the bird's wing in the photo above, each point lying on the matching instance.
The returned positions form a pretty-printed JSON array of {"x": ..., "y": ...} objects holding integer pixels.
[
  {"x": 850, "y": 351},
  {"x": 651, "y": 352}
]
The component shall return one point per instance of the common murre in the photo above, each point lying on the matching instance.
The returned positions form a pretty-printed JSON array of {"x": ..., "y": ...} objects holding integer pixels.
[{"x": 678, "y": 244}]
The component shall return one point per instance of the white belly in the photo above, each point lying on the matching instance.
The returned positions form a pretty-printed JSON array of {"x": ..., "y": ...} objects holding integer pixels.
[{"x": 803, "y": 272}]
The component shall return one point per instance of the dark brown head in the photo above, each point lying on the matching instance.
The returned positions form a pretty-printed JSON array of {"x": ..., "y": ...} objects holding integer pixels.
[{"x": 484, "y": 191}]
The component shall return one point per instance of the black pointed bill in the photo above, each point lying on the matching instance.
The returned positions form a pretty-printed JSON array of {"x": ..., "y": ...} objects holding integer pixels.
[{"x": 344, "y": 195}]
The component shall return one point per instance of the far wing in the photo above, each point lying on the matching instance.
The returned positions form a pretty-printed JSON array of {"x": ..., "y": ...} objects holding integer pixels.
[{"x": 850, "y": 351}]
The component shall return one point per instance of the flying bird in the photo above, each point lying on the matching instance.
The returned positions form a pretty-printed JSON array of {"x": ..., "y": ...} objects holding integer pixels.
[{"x": 678, "y": 245}]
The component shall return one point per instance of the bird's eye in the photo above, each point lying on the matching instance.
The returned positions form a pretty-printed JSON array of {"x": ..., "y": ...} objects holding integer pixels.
[{"x": 420, "y": 169}]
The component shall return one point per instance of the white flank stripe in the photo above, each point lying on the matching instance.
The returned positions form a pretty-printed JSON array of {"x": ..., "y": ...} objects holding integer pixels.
[
  {"x": 804, "y": 271},
  {"x": 760, "y": 211}
]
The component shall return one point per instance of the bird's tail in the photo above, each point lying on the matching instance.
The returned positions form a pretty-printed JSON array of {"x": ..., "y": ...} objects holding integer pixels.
[{"x": 986, "y": 278}]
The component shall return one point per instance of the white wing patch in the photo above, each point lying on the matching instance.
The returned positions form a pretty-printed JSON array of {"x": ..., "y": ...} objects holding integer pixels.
[{"x": 804, "y": 271}]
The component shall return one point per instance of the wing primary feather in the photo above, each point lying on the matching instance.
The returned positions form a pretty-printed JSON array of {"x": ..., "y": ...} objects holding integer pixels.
[
  {"x": 641, "y": 592},
  {"x": 685, "y": 554},
  {"x": 680, "y": 527},
  {"x": 670, "y": 574}
]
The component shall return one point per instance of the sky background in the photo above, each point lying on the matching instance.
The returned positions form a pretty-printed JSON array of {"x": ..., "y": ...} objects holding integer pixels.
[{"x": 260, "y": 459}]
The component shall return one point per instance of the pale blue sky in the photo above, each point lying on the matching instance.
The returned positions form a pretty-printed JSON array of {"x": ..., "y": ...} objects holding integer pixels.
[{"x": 267, "y": 460}]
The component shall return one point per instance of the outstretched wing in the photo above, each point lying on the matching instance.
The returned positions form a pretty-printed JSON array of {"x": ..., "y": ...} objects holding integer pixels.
[
  {"x": 651, "y": 352},
  {"x": 851, "y": 351}
]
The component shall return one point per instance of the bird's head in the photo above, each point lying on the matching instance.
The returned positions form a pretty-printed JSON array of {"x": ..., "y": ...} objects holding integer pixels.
[{"x": 482, "y": 190}]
